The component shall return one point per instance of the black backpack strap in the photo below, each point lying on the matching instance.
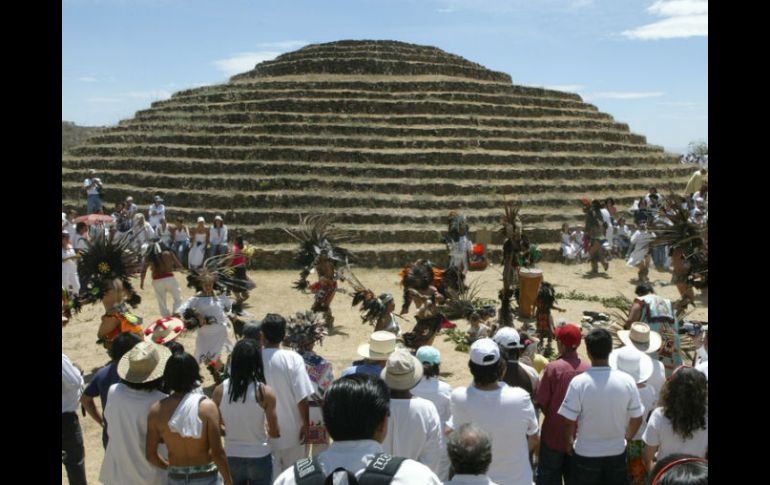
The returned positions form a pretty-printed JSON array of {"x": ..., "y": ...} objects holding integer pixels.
[
  {"x": 307, "y": 471},
  {"x": 381, "y": 470}
]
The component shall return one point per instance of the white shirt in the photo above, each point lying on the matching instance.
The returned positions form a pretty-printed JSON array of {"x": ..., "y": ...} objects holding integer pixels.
[
  {"x": 648, "y": 398},
  {"x": 93, "y": 190},
  {"x": 218, "y": 235},
  {"x": 355, "y": 455},
  {"x": 286, "y": 374},
  {"x": 660, "y": 433},
  {"x": 415, "y": 431},
  {"x": 69, "y": 265},
  {"x": 437, "y": 392},
  {"x": 71, "y": 386},
  {"x": 156, "y": 212},
  {"x": 703, "y": 367},
  {"x": 470, "y": 480},
  {"x": 124, "y": 459},
  {"x": 602, "y": 401},
  {"x": 658, "y": 377},
  {"x": 164, "y": 234},
  {"x": 245, "y": 423},
  {"x": 508, "y": 416}
]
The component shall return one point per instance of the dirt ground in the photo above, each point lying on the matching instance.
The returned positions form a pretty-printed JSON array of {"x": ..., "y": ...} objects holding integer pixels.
[{"x": 275, "y": 295}]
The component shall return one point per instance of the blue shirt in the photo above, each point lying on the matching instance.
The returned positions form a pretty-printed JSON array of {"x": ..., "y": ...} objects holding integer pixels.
[
  {"x": 363, "y": 368},
  {"x": 100, "y": 384}
]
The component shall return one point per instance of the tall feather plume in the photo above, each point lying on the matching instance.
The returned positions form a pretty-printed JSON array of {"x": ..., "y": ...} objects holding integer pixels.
[
  {"x": 316, "y": 235},
  {"x": 106, "y": 260}
]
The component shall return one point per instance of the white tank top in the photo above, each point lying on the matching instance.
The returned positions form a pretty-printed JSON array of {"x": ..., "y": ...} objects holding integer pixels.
[{"x": 245, "y": 425}]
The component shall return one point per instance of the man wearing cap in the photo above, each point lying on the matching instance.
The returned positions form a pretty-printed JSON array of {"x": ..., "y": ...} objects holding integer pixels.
[
  {"x": 131, "y": 208},
  {"x": 605, "y": 406},
  {"x": 517, "y": 374},
  {"x": 93, "y": 188},
  {"x": 414, "y": 427},
  {"x": 128, "y": 404},
  {"x": 157, "y": 211},
  {"x": 505, "y": 413},
  {"x": 640, "y": 337},
  {"x": 554, "y": 462},
  {"x": 375, "y": 353}
]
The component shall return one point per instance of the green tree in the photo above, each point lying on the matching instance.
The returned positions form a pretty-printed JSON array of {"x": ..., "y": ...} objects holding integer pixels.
[{"x": 698, "y": 148}]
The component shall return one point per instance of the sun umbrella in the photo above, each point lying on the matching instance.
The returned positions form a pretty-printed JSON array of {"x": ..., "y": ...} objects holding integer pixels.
[{"x": 91, "y": 219}]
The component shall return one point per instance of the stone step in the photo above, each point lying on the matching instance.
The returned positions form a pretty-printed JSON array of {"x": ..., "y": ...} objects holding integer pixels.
[
  {"x": 371, "y": 142},
  {"x": 239, "y": 118},
  {"x": 335, "y": 183},
  {"x": 426, "y": 84},
  {"x": 370, "y": 130},
  {"x": 281, "y": 256},
  {"x": 501, "y": 171},
  {"x": 264, "y": 93},
  {"x": 358, "y": 65},
  {"x": 364, "y": 155},
  {"x": 368, "y": 106},
  {"x": 322, "y": 200}
]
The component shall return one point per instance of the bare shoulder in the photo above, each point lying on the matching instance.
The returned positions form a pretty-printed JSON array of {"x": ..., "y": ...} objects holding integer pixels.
[{"x": 207, "y": 407}]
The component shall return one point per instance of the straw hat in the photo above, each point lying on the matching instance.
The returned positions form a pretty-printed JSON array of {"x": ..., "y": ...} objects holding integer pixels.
[
  {"x": 403, "y": 371},
  {"x": 381, "y": 345},
  {"x": 164, "y": 330},
  {"x": 144, "y": 363},
  {"x": 641, "y": 337},
  {"x": 633, "y": 362}
]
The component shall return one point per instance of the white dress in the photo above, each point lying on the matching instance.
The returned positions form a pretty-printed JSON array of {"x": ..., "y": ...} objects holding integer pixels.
[
  {"x": 458, "y": 253},
  {"x": 210, "y": 339},
  {"x": 197, "y": 251},
  {"x": 641, "y": 242},
  {"x": 568, "y": 248},
  {"x": 69, "y": 271}
]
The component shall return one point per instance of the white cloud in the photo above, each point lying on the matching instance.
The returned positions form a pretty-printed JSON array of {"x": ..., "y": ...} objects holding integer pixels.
[
  {"x": 102, "y": 100},
  {"x": 572, "y": 88},
  {"x": 151, "y": 94},
  {"x": 88, "y": 79},
  {"x": 283, "y": 45},
  {"x": 684, "y": 18},
  {"x": 245, "y": 61},
  {"x": 623, "y": 95}
]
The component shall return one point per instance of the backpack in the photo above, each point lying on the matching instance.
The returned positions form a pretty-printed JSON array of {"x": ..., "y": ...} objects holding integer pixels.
[{"x": 379, "y": 471}]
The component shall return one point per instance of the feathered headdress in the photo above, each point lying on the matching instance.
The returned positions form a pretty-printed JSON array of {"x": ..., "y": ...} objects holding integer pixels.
[
  {"x": 317, "y": 239},
  {"x": 420, "y": 275},
  {"x": 456, "y": 224},
  {"x": 218, "y": 271},
  {"x": 547, "y": 295},
  {"x": 372, "y": 307},
  {"x": 105, "y": 261},
  {"x": 303, "y": 329},
  {"x": 464, "y": 303},
  {"x": 511, "y": 222},
  {"x": 682, "y": 233}
]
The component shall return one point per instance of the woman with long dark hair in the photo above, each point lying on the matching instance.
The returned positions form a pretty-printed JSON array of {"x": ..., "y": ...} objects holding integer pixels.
[
  {"x": 247, "y": 407},
  {"x": 680, "y": 425}
]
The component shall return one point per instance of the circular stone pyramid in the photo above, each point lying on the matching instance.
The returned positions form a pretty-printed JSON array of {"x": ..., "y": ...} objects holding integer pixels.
[{"x": 388, "y": 136}]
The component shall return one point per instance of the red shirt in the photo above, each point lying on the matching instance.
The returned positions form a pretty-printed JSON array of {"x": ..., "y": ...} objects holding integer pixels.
[{"x": 550, "y": 394}]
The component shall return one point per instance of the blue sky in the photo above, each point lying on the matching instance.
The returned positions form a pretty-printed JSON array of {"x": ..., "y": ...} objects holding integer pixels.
[{"x": 645, "y": 62}]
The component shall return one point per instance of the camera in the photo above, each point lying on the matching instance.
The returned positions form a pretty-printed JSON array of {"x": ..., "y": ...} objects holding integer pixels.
[{"x": 691, "y": 329}]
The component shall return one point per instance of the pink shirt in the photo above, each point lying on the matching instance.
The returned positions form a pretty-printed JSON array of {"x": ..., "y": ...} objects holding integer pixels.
[
  {"x": 550, "y": 394},
  {"x": 240, "y": 258}
]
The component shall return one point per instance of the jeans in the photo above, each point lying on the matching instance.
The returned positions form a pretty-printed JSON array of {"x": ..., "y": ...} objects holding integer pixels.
[
  {"x": 181, "y": 248},
  {"x": 73, "y": 454},
  {"x": 603, "y": 470},
  {"x": 93, "y": 203},
  {"x": 552, "y": 466},
  {"x": 213, "y": 479},
  {"x": 251, "y": 471},
  {"x": 658, "y": 256},
  {"x": 217, "y": 249}
]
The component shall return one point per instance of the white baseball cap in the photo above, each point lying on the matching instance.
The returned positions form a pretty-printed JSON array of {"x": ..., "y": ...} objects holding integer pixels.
[
  {"x": 508, "y": 338},
  {"x": 485, "y": 351}
]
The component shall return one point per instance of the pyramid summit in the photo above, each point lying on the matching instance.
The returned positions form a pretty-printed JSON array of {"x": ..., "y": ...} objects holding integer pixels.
[{"x": 388, "y": 136}]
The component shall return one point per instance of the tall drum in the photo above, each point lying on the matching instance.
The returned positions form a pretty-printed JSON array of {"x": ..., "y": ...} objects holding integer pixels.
[{"x": 529, "y": 285}]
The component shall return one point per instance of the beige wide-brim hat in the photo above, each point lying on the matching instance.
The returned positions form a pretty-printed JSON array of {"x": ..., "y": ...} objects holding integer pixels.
[
  {"x": 641, "y": 337},
  {"x": 403, "y": 371},
  {"x": 144, "y": 363},
  {"x": 381, "y": 345},
  {"x": 633, "y": 362}
]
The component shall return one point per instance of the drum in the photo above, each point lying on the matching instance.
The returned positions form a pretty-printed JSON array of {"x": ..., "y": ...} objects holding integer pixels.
[{"x": 529, "y": 285}]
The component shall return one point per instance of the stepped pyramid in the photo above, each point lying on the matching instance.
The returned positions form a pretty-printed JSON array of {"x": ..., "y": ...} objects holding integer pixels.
[{"x": 388, "y": 136}]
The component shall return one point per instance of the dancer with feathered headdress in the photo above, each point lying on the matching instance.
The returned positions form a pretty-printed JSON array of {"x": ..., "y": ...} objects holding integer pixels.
[
  {"x": 595, "y": 235},
  {"x": 318, "y": 252},
  {"x": 105, "y": 269},
  {"x": 420, "y": 281},
  {"x": 457, "y": 242},
  {"x": 375, "y": 310}
]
